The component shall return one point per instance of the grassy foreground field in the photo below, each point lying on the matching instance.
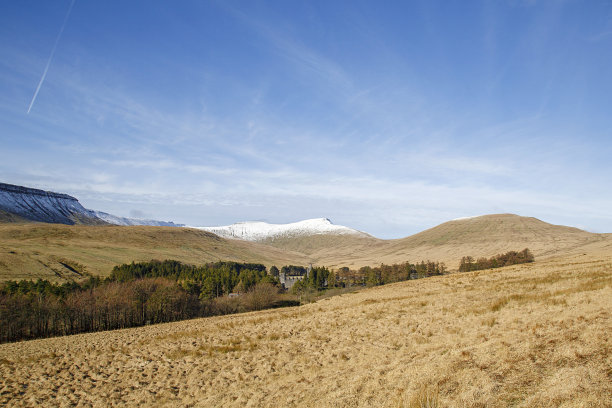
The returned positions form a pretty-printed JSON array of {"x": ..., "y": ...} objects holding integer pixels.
[{"x": 534, "y": 335}]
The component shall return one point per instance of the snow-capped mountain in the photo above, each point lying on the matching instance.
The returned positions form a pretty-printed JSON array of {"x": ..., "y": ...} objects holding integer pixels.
[
  {"x": 113, "y": 219},
  {"x": 259, "y": 231},
  {"x": 47, "y": 206},
  {"x": 43, "y": 206}
]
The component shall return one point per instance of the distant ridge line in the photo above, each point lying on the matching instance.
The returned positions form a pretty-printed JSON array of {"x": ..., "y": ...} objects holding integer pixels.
[
  {"x": 11, "y": 188},
  {"x": 48, "y": 206}
]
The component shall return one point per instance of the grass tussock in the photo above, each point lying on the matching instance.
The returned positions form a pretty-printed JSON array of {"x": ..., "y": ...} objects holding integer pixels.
[
  {"x": 426, "y": 397},
  {"x": 499, "y": 303}
]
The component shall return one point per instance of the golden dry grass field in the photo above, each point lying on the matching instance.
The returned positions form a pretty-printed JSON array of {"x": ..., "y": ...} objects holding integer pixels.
[{"x": 533, "y": 335}]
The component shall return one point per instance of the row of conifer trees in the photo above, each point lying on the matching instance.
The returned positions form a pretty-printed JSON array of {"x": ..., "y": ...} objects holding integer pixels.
[{"x": 133, "y": 295}]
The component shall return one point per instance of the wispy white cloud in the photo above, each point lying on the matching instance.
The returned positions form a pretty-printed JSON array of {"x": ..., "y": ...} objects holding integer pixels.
[{"x": 298, "y": 53}]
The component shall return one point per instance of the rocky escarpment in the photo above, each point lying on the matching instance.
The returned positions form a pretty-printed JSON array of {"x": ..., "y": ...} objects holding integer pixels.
[{"x": 44, "y": 206}]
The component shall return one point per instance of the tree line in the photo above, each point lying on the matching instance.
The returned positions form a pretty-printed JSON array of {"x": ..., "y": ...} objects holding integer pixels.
[
  {"x": 509, "y": 258},
  {"x": 134, "y": 295},
  {"x": 156, "y": 292},
  {"x": 206, "y": 281},
  {"x": 321, "y": 278}
]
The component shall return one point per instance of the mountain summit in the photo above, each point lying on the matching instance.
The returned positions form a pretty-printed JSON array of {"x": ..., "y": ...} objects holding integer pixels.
[{"x": 260, "y": 231}]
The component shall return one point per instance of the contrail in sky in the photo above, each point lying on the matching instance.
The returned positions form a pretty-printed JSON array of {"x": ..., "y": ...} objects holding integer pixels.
[{"x": 44, "y": 75}]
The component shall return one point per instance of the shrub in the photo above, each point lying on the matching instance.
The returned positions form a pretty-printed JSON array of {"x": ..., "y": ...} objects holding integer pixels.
[{"x": 261, "y": 296}]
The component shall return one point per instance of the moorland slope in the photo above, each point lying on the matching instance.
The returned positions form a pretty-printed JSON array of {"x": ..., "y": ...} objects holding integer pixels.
[
  {"x": 57, "y": 252},
  {"x": 532, "y": 335},
  {"x": 63, "y": 252},
  {"x": 483, "y": 236}
]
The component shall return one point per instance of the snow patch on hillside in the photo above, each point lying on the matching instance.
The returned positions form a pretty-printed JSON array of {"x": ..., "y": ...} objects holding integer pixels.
[
  {"x": 258, "y": 231},
  {"x": 465, "y": 218}
]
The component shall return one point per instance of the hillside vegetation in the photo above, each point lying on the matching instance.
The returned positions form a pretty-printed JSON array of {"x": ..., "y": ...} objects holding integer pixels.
[
  {"x": 484, "y": 236},
  {"x": 531, "y": 335},
  {"x": 315, "y": 245},
  {"x": 7, "y": 217},
  {"x": 158, "y": 292},
  {"x": 134, "y": 295},
  {"x": 61, "y": 252},
  {"x": 64, "y": 252}
]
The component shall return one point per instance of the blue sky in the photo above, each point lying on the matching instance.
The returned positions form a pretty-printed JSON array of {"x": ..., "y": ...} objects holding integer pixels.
[{"x": 389, "y": 117}]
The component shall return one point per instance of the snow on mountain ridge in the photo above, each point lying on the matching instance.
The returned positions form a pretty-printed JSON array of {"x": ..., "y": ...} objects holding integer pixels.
[
  {"x": 259, "y": 230},
  {"x": 47, "y": 206},
  {"x": 124, "y": 221},
  {"x": 42, "y": 206}
]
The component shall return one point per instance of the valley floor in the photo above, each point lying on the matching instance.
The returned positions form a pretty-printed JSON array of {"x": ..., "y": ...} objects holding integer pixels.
[{"x": 526, "y": 336}]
